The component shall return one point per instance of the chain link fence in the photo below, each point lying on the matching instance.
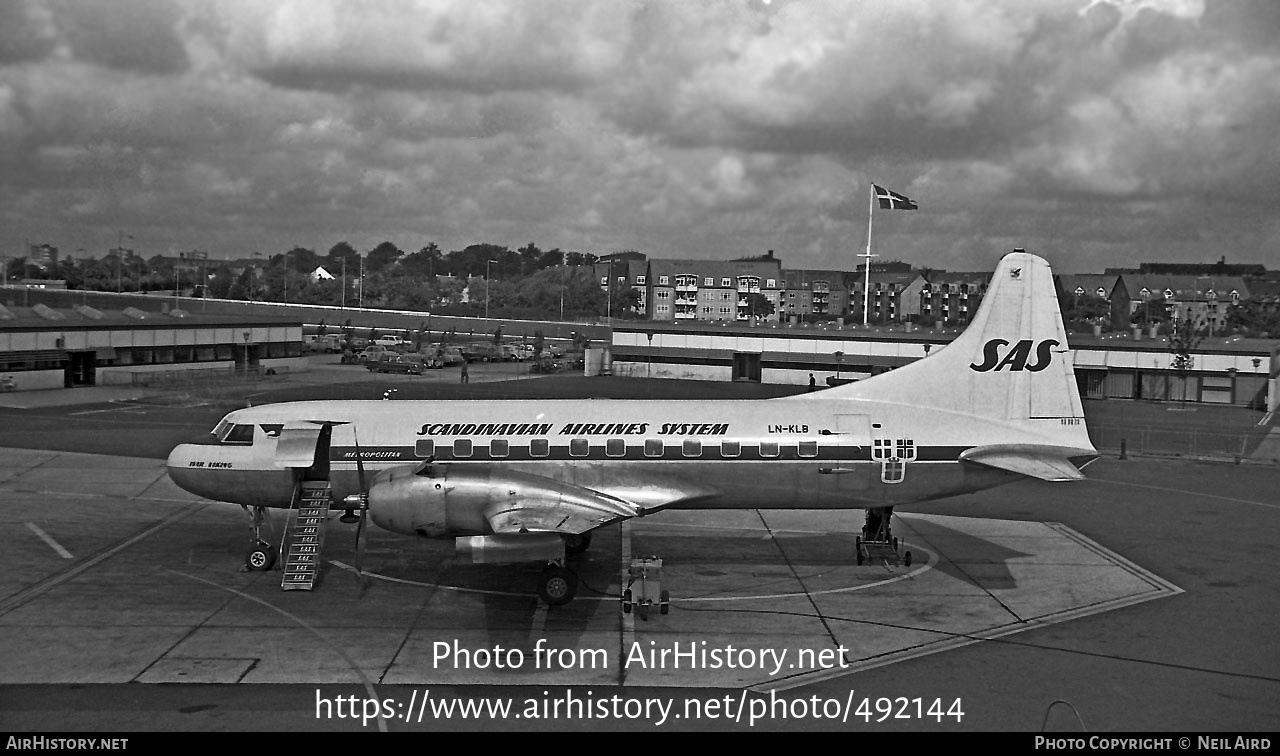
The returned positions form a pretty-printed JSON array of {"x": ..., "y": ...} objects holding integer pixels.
[
  {"x": 1190, "y": 442},
  {"x": 206, "y": 385}
]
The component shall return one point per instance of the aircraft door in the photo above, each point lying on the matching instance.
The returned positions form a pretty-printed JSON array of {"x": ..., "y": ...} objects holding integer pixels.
[{"x": 296, "y": 445}]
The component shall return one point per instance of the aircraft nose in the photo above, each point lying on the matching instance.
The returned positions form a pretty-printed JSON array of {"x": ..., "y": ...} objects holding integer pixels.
[{"x": 182, "y": 470}]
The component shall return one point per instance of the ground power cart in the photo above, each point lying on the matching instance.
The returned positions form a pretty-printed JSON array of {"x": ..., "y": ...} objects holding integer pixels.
[{"x": 644, "y": 587}]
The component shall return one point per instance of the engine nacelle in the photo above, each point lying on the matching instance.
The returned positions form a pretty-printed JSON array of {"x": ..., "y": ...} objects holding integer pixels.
[{"x": 444, "y": 501}]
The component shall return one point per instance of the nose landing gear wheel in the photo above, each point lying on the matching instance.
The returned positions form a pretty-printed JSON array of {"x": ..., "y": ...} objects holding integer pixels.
[
  {"x": 557, "y": 586},
  {"x": 260, "y": 558}
]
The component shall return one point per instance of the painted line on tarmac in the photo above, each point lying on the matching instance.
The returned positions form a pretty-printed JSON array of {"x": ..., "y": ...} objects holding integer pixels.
[
  {"x": 62, "y": 552},
  {"x": 1232, "y": 499},
  {"x": 914, "y": 573},
  {"x": 28, "y": 594},
  {"x": 327, "y": 641}
]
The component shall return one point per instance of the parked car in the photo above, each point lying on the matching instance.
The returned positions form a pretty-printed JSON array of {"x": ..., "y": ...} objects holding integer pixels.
[
  {"x": 449, "y": 355},
  {"x": 400, "y": 363},
  {"x": 372, "y": 353},
  {"x": 482, "y": 352},
  {"x": 392, "y": 342},
  {"x": 546, "y": 364},
  {"x": 511, "y": 352},
  {"x": 329, "y": 342}
]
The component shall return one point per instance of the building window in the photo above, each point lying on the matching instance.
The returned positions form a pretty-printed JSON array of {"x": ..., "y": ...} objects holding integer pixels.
[
  {"x": 725, "y": 282},
  {"x": 770, "y": 283},
  {"x": 708, "y": 281},
  {"x": 662, "y": 280},
  {"x": 640, "y": 280}
]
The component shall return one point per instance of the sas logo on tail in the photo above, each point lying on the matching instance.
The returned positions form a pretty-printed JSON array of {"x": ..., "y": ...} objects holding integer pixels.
[{"x": 1016, "y": 357}]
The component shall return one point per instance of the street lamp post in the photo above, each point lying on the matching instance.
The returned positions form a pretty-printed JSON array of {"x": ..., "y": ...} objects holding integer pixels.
[
  {"x": 246, "y": 335},
  {"x": 120, "y": 260},
  {"x": 486, "y": 286}
]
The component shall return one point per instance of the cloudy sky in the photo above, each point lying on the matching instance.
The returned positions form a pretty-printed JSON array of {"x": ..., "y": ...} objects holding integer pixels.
[{"x": 1095, "y": 133}]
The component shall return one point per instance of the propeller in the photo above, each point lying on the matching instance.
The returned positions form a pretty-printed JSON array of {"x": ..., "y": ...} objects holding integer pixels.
[{"x": 359, "y": 501}]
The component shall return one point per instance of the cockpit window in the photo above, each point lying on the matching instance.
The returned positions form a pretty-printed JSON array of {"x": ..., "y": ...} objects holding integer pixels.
[{"x": 237, "y": 434}]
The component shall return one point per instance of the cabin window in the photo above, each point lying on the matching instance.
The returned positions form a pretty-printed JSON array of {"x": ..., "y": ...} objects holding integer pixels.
[
  {"x": 808, "y": 448},
  {"x": 730, "y": 448},
  {"x": 692, "y": 447},
  {"x": 461, "y": 448},
  {"x": 615, "y": 447},
  {"x": 498, "y": 448},
  {"x": 653, "y": 447},
  {"x": 768, "y": 448},
  {"x": 539, "y": 447},
  {"x": 239, "y": 434},
  {"x": 424, "y": 448},
  {"x": 579, "y": 447},
  {"x": 906, "y": 448}
]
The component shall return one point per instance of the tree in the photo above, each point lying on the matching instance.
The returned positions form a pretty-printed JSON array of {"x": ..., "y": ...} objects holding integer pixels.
[
  {"x": 758, "y": 305},
  {"x": 1182, "y": 342},
  {"x": 627, "y": 303},
  {"x": 381, "y": 256}
]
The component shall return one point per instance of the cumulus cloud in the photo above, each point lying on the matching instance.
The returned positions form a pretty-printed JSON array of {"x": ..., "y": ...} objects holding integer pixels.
[{"x": 709, "y": 128}]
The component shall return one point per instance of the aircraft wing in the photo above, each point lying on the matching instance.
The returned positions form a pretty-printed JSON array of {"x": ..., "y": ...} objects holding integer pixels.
[
  {"x": 558, "y": 508},
  {"x": 1053, "y": 463}
]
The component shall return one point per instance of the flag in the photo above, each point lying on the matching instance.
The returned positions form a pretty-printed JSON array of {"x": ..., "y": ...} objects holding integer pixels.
[{"x": 890, "y": 200}]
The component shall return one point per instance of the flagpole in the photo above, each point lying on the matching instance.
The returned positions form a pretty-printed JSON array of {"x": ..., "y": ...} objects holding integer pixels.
[{"x": 866, "y": 285}]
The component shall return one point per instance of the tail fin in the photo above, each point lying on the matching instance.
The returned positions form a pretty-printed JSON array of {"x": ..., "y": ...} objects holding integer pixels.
[{"x": 1012, "y": 363}]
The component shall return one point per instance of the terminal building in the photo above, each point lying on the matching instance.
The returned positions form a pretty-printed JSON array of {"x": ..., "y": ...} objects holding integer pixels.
[
  {"x": 1233, "y": 370},
  {"x": 68, "y": 345}
]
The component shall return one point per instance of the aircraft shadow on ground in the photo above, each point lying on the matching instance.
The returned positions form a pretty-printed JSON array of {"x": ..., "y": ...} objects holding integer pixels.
[{"x": 967, "y": 557}]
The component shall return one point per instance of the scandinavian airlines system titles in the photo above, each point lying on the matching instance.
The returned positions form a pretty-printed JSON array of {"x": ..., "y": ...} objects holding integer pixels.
[{"x": 572, "y": 429}]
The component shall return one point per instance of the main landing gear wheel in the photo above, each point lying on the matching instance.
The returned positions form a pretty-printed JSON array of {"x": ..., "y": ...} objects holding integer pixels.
[
  {"x": 260, "y": 558},
  {"x": 576, "y": 543},
  {"x": 557, "y": 586}
]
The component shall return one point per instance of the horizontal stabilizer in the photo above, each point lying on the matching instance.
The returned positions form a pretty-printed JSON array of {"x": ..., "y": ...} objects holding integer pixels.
[{"x": 1053, "y": 463}]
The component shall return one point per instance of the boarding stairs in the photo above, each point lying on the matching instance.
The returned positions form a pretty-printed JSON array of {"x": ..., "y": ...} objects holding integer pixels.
[{"x": 306, "y": 535}]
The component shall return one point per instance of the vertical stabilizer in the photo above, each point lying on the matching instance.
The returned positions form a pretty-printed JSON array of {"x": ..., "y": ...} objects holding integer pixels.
[{"x": 1011, "y": 363}]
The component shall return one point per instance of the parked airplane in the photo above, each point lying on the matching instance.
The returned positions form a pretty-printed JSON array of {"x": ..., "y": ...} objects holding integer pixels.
[{"x": 530, "y": 480}]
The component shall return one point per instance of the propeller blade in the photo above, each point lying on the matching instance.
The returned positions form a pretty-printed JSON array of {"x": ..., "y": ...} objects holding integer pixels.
[{"x": 360, "y": 540}]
